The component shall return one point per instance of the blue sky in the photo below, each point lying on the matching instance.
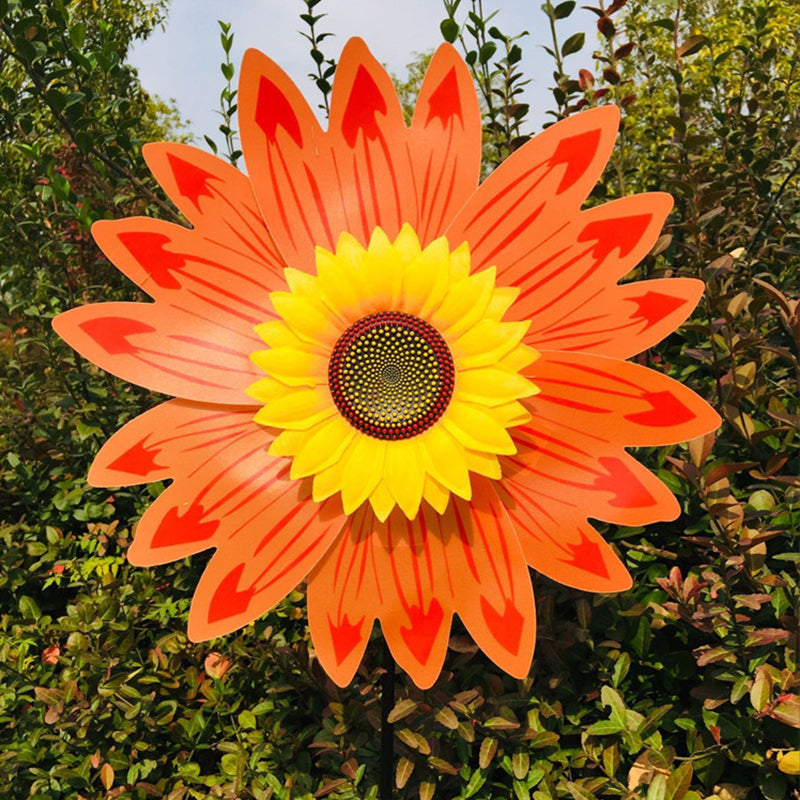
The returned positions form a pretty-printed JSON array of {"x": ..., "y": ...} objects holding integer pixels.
[{"x": 182, "y": 62}]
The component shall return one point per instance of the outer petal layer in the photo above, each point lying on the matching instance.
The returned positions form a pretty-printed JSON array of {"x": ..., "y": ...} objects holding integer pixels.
[
  {"x": 228, "y": 494},
  {"x": 396, "y": 571},
  {"x": 538, "y": 189},
  {"x": 168, "y": 350}
]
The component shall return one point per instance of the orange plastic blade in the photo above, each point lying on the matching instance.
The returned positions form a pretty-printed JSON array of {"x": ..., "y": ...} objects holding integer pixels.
[
  {"x": 616, "y": 402},
  {"x": 166, "y": 349},
  {"x": 620, "y": 321},
  {"x": 396, "y": 571},
  {"x": 536, "y": 191},
  {"x": 445, "y": 143},
  {"x": 491, "y": 584}
]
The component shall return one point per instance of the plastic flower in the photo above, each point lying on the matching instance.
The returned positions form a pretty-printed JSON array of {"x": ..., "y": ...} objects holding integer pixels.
[{"x": 395, "y": 383}]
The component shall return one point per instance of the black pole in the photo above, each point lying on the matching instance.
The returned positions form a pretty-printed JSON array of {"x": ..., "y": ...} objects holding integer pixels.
[{"x": 387, "y": 729}]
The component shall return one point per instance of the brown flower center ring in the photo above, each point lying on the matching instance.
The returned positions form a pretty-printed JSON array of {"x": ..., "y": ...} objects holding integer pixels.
[{"x": 391, "y": 375}]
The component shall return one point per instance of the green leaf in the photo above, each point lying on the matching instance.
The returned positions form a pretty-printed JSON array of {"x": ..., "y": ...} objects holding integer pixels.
[
  {"x": 573, "y": 44},
  {"x": 28, "y": 608},
  {"x": 679, "y": 782},
  {"x": 658, "y": 788},
  {"x": 449, "y": 29},
  {"x": 605, "y": 727},
  {"x": 692, "y": 45},
  {"x": 563, "y": 10},
  {"x": 488, "y": 49},
  {"x": 401, "y": 709}
]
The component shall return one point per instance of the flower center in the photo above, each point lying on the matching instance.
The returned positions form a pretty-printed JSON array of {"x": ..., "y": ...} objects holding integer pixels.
[{"x": 391, "y": 375}]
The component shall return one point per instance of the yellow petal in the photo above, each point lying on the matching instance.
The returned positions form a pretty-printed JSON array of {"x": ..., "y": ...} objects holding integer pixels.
[
  {"x": 404, "y": 475},
  {"x": 267, "y": 389},
  {"x": 443, "y": 458},
  {"x": 436, "y": 494},
  {"x": 299, "y": 282},
  {"x": 519, "y": 358},
  {"x": 292, "y": 366},
  {"x": 485, "y": 343},
  {"x": 460, "y": 262},
  {"x": 277, "y": 333},
  {"x": 464, "y": 305},
  {"x": 484, "y": 464},
  {"x": 364, "y": 461},
  {"x": 338, "y": 286},
  {"x": 381, "y": 276},
  {"x": 407, "y": 244},
  {"x": 476, "y": 428},
  {"x": 511, "y": 414},
  {"x": 307, "y": 317},
  {"x": 503, "y": 298},
  {"x": 298, "y": 410},
  {"x": 287, "y": 443},
  {"x": 492, "y": 387},
  {"x": 382, "y": 501},
  {"x": 323, "y": 447},
  {"x": 426, "y": 279},
  {"x": 328, "y": 482},
  {"x": 351, "y": 250}
]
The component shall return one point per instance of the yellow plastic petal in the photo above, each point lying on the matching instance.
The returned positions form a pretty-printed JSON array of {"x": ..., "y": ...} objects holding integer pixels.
[
  {"x": 492, "y": 387},
  {"x": 382, "y": 502},
  {"x": 287, "y": 443},
  {"x": 502, "y": 299},
  {"x": 464, "y": 305},
  {"x": 477, "y": 428},
  {"x": 426, "y": 280},
  {"x": 511, "y": 414},
  {"x": 484, "y": 464},
  {"x": 436, "y": 494},
  {"x": 299, "y": 282},
  {"x": 338, "y": 286},
  {"x": 407, "y": 244},
  {"x": 404, "y": 475},
  {"x": 266, "y": 389},
  {"x": 519, "y": 358},
  {"x": 381, "y": 276},
  {"x": 323, "y": 447},
  {"x": 443, "y": 458},
  {"x": 307, "y": 317},
  {"x": 460, "y": 262},
  {"x": 292, "y": 366},
  {"x": 277, "y": 333},
  {"x": 328, "y": 482},
  {"x": 486, "y": 343},
  {"x": 363, "y": 464},
  {"x": 351, "y": 250},
  {"x": 298, "y": 410}
]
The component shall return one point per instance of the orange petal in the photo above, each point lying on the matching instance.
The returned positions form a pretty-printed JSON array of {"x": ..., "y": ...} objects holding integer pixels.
[
  {"x": 445, "y": 142},
  {"x": 287, "y": 160},
  {"x": 166, "y": 349},
  {"x": 271, "y": 536},
  {"x": 369, "y": 139},
  {"x": 217, "y": 199},
  {"x": 615, "y": 401},
  {"x": 572, "y": 269},
  {"x": 171, "y": 440},
  {"x": 493, "y": 593},
  {"x": 621, "y": 321},
  {"x": 560, "y": 543},
  {"x": 536, "y": 191},
  {"x": 395, "y": 571},
  {"x": 184, "y": 268},
  {"x": 584, "y": 475}
]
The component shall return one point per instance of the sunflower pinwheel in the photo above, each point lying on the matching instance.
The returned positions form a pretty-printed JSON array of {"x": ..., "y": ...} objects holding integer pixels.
[{"x": 391, "y": 381}]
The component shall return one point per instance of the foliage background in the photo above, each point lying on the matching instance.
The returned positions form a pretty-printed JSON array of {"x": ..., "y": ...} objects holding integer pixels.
[{"x": 684, "y": 687}]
